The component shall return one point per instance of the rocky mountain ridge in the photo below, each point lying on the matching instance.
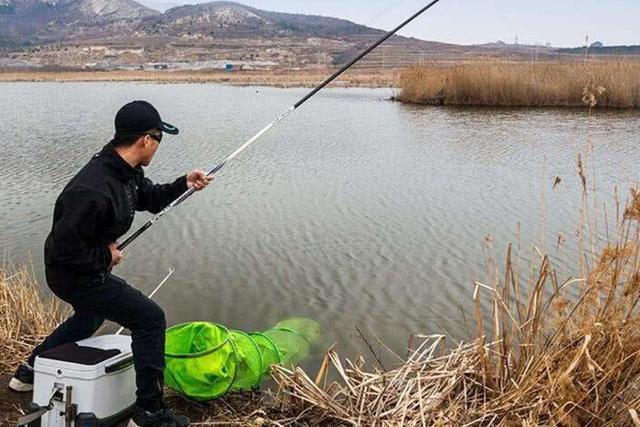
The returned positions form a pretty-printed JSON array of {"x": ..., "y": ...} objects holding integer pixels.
[
  {"x": 112, "y": 34},
  {"x": 36, "y": 22},
  {"x": 123, "y": 34}
]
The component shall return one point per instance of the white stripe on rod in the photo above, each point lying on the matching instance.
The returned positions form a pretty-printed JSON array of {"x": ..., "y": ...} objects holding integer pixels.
[
  {"x": 255, "y": 137},
  {"x": 244, "y": 146}
]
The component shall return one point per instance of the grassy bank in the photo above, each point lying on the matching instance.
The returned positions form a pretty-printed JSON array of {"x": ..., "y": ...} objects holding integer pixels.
[
  {"x": 240, "y": 78},
  {"x": 26, "y": 317},
  {"x": 552, "y": 351},
  {"x": 601, "y": 84}
]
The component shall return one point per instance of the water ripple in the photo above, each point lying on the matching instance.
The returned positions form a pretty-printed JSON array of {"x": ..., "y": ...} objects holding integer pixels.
[{"x": 355, "y": 211}]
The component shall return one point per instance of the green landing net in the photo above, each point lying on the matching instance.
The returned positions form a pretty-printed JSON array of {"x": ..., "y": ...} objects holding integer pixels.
[{"x": 205, "y": 360}]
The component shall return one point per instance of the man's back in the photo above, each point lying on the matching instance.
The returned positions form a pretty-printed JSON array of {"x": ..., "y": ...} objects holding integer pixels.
[{"x": 94, "y": 209}]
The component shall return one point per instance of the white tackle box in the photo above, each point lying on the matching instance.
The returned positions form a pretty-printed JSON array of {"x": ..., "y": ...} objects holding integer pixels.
[{"x": 86, "y": 384}]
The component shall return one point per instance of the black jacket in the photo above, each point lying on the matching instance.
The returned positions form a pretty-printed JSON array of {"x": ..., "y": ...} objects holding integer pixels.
[{"x": 95, "y": 209}]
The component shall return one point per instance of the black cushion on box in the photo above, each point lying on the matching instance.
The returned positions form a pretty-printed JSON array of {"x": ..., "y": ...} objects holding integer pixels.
[{"x": 75, "y": 353}]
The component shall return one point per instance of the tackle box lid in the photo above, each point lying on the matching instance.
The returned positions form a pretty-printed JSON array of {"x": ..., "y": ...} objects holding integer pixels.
[{"x": 87, "y": 355}]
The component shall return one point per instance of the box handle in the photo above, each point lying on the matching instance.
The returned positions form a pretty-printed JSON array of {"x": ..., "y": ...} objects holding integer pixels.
[{"x": 119, "y": 366}]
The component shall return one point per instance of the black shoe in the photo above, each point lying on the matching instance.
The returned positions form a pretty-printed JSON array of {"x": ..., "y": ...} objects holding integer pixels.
[
  {"x": 22, "y": 380},
  {"x": 162, "y": 418}
]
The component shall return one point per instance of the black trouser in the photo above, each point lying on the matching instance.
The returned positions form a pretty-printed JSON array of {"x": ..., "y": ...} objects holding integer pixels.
[{"x": 113, "y": 299}]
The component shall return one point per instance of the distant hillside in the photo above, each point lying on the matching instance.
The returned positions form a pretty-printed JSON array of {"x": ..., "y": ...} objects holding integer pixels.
[
  {"x": 31, "y": 22},
  {"x": 123, "y": 33},
  {"x": 604, "y": 50},
  {"x": 232, "y": 20},
  {"x": 114, "y": 34}
]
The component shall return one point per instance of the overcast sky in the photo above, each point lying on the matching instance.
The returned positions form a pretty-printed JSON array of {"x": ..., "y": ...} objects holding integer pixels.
[{"x": 559, "y": 22}]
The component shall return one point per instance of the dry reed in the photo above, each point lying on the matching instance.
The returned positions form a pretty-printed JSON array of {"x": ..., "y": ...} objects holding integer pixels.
[
  {"x": 540, "y": 358},
  {"x": 612, "y": 84},
  {"x": 25, "y": 316}
]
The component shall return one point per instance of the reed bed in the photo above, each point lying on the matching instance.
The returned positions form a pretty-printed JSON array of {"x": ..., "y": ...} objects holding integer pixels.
[
  {"x": 612, "y": 84},
  {"x": 25, "y": 316},
  {"x": 541, "y": 357}
]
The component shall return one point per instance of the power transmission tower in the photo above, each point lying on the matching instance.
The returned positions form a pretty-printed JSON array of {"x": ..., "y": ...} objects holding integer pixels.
[{"x": 586, "y": 48}]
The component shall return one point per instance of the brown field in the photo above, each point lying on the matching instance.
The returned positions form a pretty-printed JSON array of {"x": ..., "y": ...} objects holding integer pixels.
[
  {"x": 240, "y": 78},
  {"x": 614, "y": 84}
]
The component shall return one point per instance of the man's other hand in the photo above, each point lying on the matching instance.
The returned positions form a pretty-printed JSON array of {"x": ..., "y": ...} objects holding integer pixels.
[
  {"x": 198, "y": 179},
  {"x": 116, "y": 255}
]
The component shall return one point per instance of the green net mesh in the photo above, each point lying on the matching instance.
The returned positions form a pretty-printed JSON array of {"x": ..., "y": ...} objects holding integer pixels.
[
  {"x": 249, "y": 359},
  {"x": 200, "y": 360},
  {"x": 205, "y": 360},
  {"x": 293, "y": 347},
  {"x": 310, "y": 329},
  {"x": 270, "y": 353}
]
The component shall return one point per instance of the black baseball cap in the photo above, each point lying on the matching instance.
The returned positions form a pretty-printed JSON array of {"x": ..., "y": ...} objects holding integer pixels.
[{"x": 137, "y": 117}]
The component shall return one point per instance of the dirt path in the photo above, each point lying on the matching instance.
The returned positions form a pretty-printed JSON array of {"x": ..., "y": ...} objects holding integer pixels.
[
  {"x": 247, "y": 409},
  {"x": 11, "y": 403}
]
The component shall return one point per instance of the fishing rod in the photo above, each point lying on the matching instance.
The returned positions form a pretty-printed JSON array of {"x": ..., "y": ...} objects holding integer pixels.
[{"x": 281, "y": 117}]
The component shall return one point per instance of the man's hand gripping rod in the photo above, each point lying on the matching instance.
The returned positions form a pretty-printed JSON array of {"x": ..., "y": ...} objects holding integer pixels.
[{"x": 254, "y": 138}]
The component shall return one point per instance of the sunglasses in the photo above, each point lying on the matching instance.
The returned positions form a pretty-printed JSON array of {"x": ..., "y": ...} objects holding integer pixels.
[{"x": 157, "y": 137}]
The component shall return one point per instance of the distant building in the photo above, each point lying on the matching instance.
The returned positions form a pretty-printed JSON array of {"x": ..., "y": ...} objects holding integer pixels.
[{"x": 7, "y": 9}]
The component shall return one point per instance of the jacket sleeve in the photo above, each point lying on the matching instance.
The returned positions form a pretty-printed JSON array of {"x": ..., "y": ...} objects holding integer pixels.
[
  {"x": 81, "y": 212},
  {"x": 154, "y": 197}
]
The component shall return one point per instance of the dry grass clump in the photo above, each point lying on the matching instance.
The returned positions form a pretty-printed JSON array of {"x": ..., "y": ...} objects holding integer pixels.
[
  {"x": 541, "y": 358},
  {"x": 613, "y": 84},
  {"x": 25, "y": 316}
]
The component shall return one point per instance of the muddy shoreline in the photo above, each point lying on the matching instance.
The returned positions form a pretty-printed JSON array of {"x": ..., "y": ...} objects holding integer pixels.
[
  {"x": 238, "y": 78},
  {"x": 247, "y": 409}
]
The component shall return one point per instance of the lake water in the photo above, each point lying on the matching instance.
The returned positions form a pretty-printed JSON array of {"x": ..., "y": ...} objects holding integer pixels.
[{"x": 355, "y": 211}]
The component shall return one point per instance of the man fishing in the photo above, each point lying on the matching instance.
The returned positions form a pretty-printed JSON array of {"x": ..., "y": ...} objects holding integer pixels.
[{"x": 96, "y": 208}]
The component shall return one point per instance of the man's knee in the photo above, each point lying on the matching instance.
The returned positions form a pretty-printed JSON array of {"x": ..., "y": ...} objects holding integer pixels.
[
  {"x": 152, "y": 317},
  {"x": 148, "y": 317},
  {"x": 155, "y": 316},
  {"x": 132, "y": 309}
]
